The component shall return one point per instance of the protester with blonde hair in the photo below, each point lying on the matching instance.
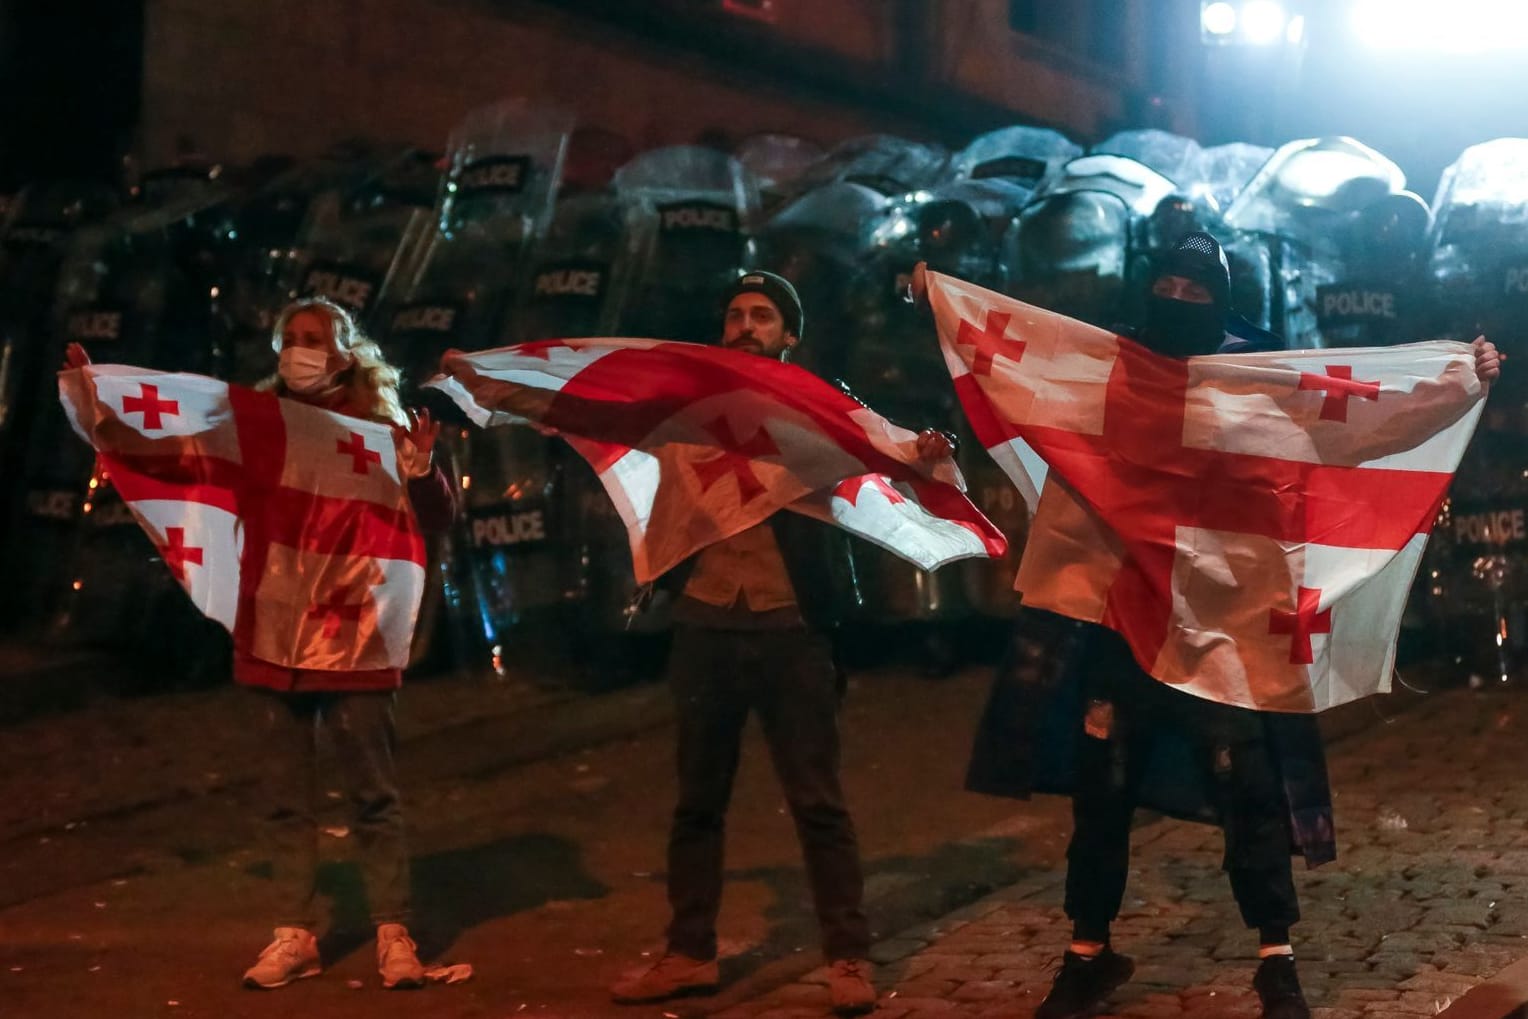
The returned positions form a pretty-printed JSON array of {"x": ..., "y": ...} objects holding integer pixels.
[{"x": 327, "y": 362}]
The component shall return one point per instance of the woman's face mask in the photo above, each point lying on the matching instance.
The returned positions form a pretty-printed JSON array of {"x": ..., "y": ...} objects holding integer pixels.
[
  {"x": 304, "y": 370},
  {"x": 308, "y": 362}
]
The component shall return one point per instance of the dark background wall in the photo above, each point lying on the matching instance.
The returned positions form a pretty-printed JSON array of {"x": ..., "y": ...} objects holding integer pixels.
[{"x": 69, "y": 86}]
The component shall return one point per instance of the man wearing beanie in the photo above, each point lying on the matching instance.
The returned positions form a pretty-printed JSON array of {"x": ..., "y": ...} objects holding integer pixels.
[
  {"x": 753, "y": 616},
  {"x": 1071, "y": 712}
]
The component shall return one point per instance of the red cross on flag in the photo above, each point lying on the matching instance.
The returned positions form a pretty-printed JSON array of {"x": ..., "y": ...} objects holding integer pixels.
[
  {"x": 695, "y": 444},
  {"x": 1249, "y": 523},
  {"x": 288, "y": 524}
]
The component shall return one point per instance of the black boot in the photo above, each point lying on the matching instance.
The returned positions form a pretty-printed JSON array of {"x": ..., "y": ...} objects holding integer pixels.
[
  {"x": 1083, "y": 982},
  {"x": 1278, "y": 986}
]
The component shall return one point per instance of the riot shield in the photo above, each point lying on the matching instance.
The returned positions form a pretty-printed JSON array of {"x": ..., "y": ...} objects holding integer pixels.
[
  {"x": 36, "y": 233},
  {"x": 1081, "y": 240},
  {"x": 140, "y": 288},
  {"x": 355, "y": 250},
  {"x": 508, "y": 560},
  {"x": 580, "y": 286},
  {"x": 1298, "y": 206},
  {"x": 702, "y": 204},
  {"x": 778, "y": 162},
  {"x": 956, "y": 226},
  {"x": 1377, "y": 298},
  {"x": 885, "y": 163},
  {"x": 263, "y": 256},
  {"x": 1175, "y": 157},
  {"x": 998, "y": 173},
  {"x": 1479, "y": 270}
]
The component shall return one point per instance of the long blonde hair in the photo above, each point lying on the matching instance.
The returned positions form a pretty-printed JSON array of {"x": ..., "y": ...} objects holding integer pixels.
[{"x": 370, "y": 383}]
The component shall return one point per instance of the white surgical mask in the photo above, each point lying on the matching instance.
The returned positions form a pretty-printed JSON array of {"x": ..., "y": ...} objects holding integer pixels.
[{"x": 304, "y": 370}]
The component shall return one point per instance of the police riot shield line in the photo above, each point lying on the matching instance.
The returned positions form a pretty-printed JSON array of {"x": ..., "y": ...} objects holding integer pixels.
[
  {"x": 37, "y": 230},
  {"x": 140, "y": 288},
  {"x": 507, "y": 561},
  {"x": 1327, "y": 249},
  {"x": 1478, "y": 270}
]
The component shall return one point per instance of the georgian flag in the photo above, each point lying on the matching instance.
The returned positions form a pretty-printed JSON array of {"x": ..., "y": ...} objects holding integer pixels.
[
  {"x": 1250, "y": 524},
  {"x": 287, "y": 524},
  {"x": 695, "y": 444}
]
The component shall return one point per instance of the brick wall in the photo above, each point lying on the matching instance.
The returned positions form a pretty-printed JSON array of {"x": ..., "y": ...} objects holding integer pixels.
[
  {"x": 243, "y": 78},
  {"x": 240, "y": 78}
]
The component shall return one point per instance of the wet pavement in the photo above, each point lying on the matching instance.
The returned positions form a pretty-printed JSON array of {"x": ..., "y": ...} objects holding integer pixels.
[
  {"x": 1428, "y": 897},
  {"x": 131, "y": 883}
]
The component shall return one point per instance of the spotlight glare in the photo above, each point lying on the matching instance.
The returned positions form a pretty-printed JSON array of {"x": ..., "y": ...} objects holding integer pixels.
[
  {"x": 1218, "y": 18},
  {"x": 1455, "y": 26},
  {"x": 1263, "y": 21}
]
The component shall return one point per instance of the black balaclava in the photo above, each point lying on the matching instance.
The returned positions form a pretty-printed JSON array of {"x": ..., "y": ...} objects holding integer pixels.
[{"x": 1182, "y": 328}]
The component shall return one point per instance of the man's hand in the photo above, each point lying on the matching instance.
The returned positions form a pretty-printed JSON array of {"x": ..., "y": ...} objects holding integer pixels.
[
  {"x": 919, "y": 285},
  {"x": 1487, "y": 361},
  {"x": 75, "y": 357},
  {"x": 933, "y": 446}
]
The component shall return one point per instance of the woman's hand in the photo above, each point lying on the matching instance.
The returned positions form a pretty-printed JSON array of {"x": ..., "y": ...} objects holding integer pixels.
[
  {"x": 423, "y": 432},
  {"x": 933, "y": 446},
  {"x": 1487, "y": 361},
  {"x": 75, "y": 357}
]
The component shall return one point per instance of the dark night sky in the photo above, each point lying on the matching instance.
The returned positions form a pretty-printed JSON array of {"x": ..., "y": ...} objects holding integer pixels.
[{"x": 69, "y": 86}]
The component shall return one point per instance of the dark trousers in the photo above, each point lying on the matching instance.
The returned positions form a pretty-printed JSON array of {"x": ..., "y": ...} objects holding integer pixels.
[
  {"x": 788, "y": 678},
  {"x": 1126, "y": 715},
  {"x": 361, "y": 727}
]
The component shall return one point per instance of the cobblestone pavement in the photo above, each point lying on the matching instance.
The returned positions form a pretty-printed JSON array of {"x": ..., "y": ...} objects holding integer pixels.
[{"x": 1428, "y": 897}]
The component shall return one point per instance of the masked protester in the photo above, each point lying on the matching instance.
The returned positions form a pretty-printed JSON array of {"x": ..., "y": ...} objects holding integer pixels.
[
  {"x": 1238, "y": 760},
  {"x": 324, "y": 360},
  {"x": 753, "y": 617},
  {"x": 1072, "y": 712}
]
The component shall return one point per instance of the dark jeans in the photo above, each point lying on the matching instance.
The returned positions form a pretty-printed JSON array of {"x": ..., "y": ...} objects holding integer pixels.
[
  {"x": 788, "y": 677},
  {"x": 1127, "y": 710},
  {"x": 361, "y": 727}
]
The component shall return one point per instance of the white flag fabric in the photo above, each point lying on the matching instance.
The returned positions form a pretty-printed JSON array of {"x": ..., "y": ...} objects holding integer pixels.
[
  {"x": 1250, "y": 523},
  {"x": 288, "y": 524},
  {"x": 695, "y": 444}
]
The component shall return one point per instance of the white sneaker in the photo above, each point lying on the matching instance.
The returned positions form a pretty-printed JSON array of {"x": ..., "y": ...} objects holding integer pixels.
[
  {"x": 292, "y": 956},
  {"x": 398, "y": 958}
]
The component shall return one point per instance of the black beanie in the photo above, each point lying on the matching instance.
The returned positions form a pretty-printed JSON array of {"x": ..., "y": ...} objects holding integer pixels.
[
  {"x": 777, "y": 288},
  {"x": 1197, "y": 256}
]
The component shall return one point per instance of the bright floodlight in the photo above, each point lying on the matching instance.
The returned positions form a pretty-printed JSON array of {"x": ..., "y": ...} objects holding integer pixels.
[
  {"x": 1218, "y": 18},
  {"x": 1448, "y": 26},
  {"x": 1263, "y": 21}
]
